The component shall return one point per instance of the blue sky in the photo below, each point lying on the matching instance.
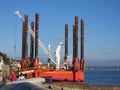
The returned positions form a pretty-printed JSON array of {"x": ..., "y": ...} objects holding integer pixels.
[{"x": 102, "y": 26}]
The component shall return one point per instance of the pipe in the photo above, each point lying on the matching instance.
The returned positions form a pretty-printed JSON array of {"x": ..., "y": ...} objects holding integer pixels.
[
  {"x": 32, "y": 45},
  {"x": 73, "y": 42},
  {"x": 75, "y": 50},
  {"x": 36, "y": 34},
  {"x": 82, "y": 61},
  {"x": 82, "y": 39},
  {"x": 25, "y": 36},
  {"x": 66, "y": 41},
  {"x": 24, "y": 43},
  {"x": 76, "y": 36}
]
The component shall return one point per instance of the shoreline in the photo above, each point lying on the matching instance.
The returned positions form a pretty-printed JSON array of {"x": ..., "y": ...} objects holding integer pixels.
[
  {"x": 65, "y": 86},
  {"x": 79, "y": 87}
]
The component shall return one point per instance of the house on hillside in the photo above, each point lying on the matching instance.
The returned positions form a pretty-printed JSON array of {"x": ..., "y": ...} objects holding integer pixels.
[
  {"x": 1, "y": 62},
  {"x": 4, "y": 68}
]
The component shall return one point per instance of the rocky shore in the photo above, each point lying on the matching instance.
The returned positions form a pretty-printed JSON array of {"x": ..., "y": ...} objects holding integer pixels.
[{"x": 78, "y": 87}]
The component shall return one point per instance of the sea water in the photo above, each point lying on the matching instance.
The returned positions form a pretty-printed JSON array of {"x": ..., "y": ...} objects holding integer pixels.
[{"x": 102, "y": 77}]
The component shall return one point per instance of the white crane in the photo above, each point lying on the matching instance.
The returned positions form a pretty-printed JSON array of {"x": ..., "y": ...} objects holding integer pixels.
[{"x": 57, "y": 61}]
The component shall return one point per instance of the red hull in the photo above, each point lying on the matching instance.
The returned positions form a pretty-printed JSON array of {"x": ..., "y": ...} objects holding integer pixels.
[{"x": 63, "y": 74}]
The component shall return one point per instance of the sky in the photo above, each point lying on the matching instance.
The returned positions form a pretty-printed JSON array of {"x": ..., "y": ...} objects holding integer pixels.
[{"x": 102, "y": 27}]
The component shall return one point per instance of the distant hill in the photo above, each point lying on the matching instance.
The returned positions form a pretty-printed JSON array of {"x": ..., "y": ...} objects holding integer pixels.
[
  {"x": 103, "y": 68},
  {"x": 5, "y": 58}
]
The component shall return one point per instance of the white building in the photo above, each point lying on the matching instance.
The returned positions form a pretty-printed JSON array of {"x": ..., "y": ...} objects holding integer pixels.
[{"x": 1, "y": 62}]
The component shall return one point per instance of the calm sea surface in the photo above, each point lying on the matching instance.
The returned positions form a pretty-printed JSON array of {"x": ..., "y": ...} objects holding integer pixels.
[{"x": 102, "y": 78}]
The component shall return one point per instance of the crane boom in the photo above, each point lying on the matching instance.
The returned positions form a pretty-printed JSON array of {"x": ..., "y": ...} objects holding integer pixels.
[{"x": 33, "y": 35}]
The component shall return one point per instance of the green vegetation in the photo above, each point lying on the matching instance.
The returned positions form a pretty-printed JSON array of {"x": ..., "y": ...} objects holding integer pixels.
[{"x": 5, "y": 58}]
